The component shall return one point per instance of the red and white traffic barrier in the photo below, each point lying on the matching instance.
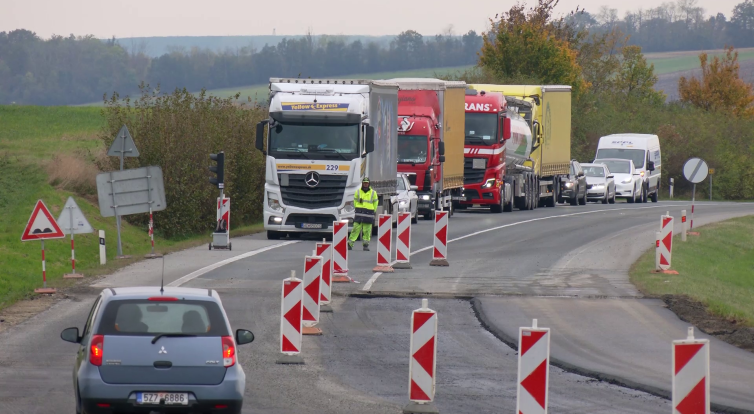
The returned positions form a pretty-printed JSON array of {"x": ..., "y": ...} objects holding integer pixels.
[
  {"x": 151, "y": 255},
  {"x": 312, "y": 288},
  {"x": 423, "y": 363},
  {"x": 691, "y": 380},
  {"x": 340, "y": 252},
  {"x": 291, "y": 321},
  {"x": 403, "y": 242},
  {"x": 440, "y": 251},
  {"x": 684, "y": 225},
  {"x": 666, "y": 241},
  {"x": 533, "y": 369},
  {"x": 324, "y": 250},
  {"x": 384, "y": 243}
]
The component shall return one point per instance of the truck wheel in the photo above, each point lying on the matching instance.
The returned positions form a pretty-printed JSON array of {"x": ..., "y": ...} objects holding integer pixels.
[{"x": 644, "y": 192}]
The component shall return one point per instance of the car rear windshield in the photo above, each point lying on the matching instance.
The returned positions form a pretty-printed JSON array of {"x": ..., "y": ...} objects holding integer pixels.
[{"x": 137, "y": 317}]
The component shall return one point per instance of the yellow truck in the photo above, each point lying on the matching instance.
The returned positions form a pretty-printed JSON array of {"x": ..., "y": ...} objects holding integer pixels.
[{"x": 535, "y": 181}]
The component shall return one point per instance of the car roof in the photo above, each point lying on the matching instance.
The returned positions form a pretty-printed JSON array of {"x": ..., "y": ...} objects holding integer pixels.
[
  {"x": 599, "y": 160},
  {"x": 593, "y": 164},
  {"x": 145, "y": 292}
]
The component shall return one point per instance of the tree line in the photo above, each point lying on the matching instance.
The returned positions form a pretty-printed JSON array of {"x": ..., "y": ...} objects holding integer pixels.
[
  {"x": 77, "y": 70},
  {"x": 671, "y": 26}
]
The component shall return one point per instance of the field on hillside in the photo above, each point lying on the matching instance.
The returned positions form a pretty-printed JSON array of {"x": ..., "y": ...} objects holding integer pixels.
[{"x": 668, "y": 62}]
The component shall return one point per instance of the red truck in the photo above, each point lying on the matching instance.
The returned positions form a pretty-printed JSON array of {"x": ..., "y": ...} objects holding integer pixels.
[{"x": 488, "y": 126}]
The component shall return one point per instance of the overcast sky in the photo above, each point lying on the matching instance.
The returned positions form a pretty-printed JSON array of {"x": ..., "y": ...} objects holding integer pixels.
[{"x": 127, "y": 18}]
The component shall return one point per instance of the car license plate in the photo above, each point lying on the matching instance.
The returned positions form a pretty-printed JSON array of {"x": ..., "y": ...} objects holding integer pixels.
[
  {"x": 171, "y": 398},
  {"x": 479, "y": 163},
  {"x": 311, "y": 225}
]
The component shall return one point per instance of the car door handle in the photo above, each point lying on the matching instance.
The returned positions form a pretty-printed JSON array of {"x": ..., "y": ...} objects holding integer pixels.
[{"x": 163, "y": 364}]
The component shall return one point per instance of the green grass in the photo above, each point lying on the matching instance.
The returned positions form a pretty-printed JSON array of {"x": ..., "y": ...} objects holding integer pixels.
[
  {"x": 29, "y": 137},
  {"x": 691, "y": 61},
  {"x": 716, "y": 269}
]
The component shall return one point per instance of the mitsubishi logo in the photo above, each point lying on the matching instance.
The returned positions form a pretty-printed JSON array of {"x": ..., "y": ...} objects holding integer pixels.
[
  {"x": 162, "y": 350},
  {"x": 311, "y": 179}
]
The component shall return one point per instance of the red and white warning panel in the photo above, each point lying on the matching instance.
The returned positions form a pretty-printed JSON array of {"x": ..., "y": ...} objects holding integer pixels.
[
  {"x": 666, "y": 241},
  {"x": 440, "y": 250},
  {"x": 421, "y": 371},
  {"x": 691, "y": 385},
  {"x": 403, "y": 242},
  {"x": 533, "y": 369},
  {"x": 41, "y": 225},
  {"x": 384, "y": 243},
  {"x": 312, "y": 288},
  {"x": 324, "y": 250},
  {"x": 340, "y": 252},
  {"x": 290, "y": 320}
]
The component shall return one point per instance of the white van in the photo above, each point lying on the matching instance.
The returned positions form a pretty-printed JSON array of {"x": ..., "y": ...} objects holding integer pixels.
[{"x": 644, "y": 151}]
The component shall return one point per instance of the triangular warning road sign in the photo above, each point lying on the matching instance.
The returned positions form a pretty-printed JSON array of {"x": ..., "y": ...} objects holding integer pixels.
[
  {"x": 123, "y": 144},
  {"x": 72, "y": 219},
  {"x": 41, "y": 225}
]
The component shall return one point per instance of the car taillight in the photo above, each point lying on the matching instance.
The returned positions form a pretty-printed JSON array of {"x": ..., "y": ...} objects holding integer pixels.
[
  {"x": 229, "y": 351},
  {"x": 96, "y": 349}
]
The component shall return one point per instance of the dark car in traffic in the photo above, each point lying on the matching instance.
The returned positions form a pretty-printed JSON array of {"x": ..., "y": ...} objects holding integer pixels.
[{"x": 573, "y": 186}]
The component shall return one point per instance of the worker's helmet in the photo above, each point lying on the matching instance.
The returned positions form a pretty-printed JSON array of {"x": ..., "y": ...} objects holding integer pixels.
[{"x": 365, "y": 180}]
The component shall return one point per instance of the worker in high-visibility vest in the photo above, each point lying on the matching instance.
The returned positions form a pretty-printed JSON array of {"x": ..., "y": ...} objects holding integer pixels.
[{"x": 365, "y": 202}]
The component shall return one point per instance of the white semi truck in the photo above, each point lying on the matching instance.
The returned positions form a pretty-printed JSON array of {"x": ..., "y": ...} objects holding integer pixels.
[{"x": 323, "y": 137}]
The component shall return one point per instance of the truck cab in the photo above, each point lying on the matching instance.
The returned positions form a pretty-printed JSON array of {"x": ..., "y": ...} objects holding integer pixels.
[
  {"x": 487, "y": 128},
  {"x": 418, "y": 141}
]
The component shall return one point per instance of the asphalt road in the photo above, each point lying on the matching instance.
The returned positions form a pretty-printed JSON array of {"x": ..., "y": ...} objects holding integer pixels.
[{"x": 360, "y": 364}]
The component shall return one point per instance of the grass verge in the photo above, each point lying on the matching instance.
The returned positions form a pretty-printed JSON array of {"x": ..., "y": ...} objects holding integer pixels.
[
  {"x": 715, "y": 269},
  {"x": 34, "y": 144}
]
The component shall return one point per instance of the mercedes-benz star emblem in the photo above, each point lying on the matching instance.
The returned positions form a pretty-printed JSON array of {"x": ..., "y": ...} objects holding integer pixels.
[
  {"x": 162, "y": 350},
  {"x": 312, "y": 179}
]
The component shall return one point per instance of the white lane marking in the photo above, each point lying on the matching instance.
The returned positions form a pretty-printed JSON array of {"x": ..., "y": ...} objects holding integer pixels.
[
  {"x": 197, "y": 273},
  {"x": 371, "y": 281}
]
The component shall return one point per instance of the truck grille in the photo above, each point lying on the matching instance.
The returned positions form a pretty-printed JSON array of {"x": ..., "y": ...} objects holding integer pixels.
[
  {"x": 470, "y": 175},
  {"x": 328, "y": 193}
]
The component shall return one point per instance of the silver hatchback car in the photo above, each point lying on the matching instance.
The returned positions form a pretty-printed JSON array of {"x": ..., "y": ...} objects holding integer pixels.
[{"x": 171, "y": 351}]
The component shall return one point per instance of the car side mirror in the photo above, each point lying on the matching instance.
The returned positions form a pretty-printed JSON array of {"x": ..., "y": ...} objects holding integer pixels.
[
  {"x": 650, "y": 165},
  {"x": 414, "y": 188},
  {"x": 581, "y": 174},
  {"x": 442, "y": 150},
  {"x": 442, "y": 158},
  {"x": 610, "y": 176},
  {"x": 244, "y": 336},
  {"x": 369, "y": 140},
  {"x": 506, "y": 128},
  {"x": 260, "y": 135},
  {"x": 71, "y": 335},
  {"x": 637, "y": 173}
]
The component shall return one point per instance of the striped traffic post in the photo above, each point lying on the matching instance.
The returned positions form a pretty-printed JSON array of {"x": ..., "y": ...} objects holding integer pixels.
[
  {"x": 290, "y": 321},
  {"x": 340, "y": 252},
  {"x": 324, "y": 250},
  {"x": 658, "y": 237},
  {"x": 684, "y": 225},
  {"x": 440, "y": 250},
  {"x": 403, "y": 242},
  {"x": 384, "y": 243},
  {"x": 533, "y": 370},
  {"x": 666, "y": 241},
  {"x": 423, "y": 362},
  {"x": 691, "y": 380},
  {"x": 151, "y": 255},
  {"x": 312, "y": 288}
]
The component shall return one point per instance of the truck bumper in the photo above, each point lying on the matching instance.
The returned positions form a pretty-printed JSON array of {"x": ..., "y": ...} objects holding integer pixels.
[
  {"x": 475, "y": 194},
  {"x": 299, "y": 220}
]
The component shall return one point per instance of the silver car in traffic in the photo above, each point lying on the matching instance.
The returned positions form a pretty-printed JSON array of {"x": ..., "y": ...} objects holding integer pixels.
[
  {"x": 143, "y": 349},
  {"x": 600, "y": 183}
]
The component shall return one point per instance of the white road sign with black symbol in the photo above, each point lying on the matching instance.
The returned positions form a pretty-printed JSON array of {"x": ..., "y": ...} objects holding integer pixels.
[{"x": 695, "y": 170}]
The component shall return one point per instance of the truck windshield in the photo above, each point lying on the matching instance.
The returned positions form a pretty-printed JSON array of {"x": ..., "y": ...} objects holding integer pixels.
[
  {"x": 635, "y": 155},
  {"x": 412, "y": 149},
  {"x": 481, "y": 129},
  {"x": 312, "y": 140}
]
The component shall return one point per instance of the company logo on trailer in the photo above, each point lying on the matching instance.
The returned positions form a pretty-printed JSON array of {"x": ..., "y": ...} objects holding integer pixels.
[{"x": 478, "y": 107}]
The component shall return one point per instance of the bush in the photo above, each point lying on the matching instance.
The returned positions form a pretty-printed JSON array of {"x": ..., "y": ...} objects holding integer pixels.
[{"x": 178, "y": 131}]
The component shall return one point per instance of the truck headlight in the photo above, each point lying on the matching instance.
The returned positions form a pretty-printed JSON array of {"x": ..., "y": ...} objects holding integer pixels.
[
  {"x": 347, "y": 208},
  {"x": 274, "y": 203},
  {"x": 489, "y": 183},
  {"x": 425, "y": 197}
]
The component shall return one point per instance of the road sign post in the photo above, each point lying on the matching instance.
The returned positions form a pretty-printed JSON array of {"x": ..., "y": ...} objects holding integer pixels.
[
  {"x": 671, "y": 188},
  {"x": 102, "y": 250},
  {"x": 72, "y": 221},
  {"x": 711, "y": 173},
  {"x": 123, "y": 146},
  {"x": 42, "y": 226},
  {"x": 695, "y": 170}
]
